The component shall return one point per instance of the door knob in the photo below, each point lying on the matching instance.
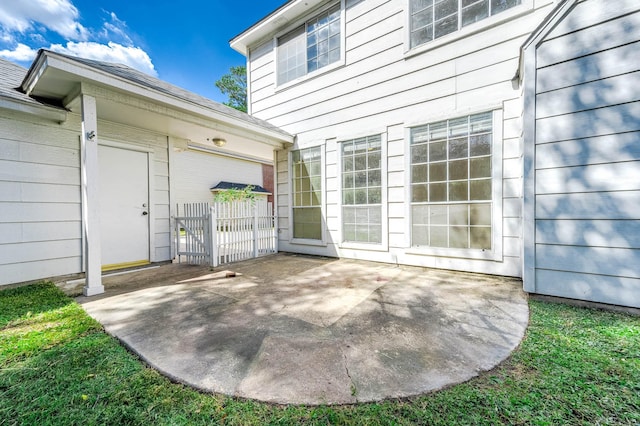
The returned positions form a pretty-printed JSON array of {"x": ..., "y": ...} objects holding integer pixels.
[{"x": 145, "y": 213}]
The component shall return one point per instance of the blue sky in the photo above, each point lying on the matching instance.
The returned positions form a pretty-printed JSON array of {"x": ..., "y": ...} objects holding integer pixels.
[{"x": 183, "y": 42}]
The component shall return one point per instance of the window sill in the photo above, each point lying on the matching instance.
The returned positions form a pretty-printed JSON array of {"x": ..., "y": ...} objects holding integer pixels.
[
  {"x": 381, "y": 247},
  {"x": 474, "y": 254},
  {"x": 470, "y": 30},
  {"x": 310, "y": 76},
  {"x": 304, "y": 242}
]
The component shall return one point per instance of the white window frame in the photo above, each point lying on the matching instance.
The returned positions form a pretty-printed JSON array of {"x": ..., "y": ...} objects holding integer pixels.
[
  {"x": 510, "y": 14},
  {"x": 323, "y": 202},
  {"x": 384, "y": 244},
  {"x": 496, "y": 252},
  {"x": 319, "y": 71}
]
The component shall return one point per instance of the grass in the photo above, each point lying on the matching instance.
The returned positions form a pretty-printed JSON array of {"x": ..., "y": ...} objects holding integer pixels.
[{"x": 575, "y": 366}]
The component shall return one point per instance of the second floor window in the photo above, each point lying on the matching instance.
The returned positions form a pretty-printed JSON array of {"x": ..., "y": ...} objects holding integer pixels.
[
  {"x": 310, "y": 47},
  {"x": 432, "y": 19}
]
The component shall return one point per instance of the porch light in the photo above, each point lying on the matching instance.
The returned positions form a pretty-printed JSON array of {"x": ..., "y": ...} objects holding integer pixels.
[{"x": 219, "y": 142}]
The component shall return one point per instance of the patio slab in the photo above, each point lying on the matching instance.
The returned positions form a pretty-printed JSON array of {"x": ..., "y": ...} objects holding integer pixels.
[{"x": 294, "y": 329}]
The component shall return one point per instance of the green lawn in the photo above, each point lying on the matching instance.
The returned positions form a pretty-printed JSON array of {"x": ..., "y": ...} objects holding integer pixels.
[{"x": 57, "y": 366}]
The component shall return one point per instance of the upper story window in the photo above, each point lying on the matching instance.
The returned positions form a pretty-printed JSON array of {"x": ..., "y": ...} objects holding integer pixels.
[
  {"x": 432, "y": 19},
  {"x": 310, "y": 47}
]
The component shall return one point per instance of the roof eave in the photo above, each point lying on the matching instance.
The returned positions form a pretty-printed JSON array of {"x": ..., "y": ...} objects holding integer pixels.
[
  {"x": 285, "y": 14},
  {"x": 51, "y": 59},
  {"x": 47, "y": 112}
]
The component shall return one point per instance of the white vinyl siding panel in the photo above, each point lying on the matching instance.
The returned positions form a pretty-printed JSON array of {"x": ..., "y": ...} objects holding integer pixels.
[
  {"x": 587, "y": 155},
  {"x": 40, "y": 202}
]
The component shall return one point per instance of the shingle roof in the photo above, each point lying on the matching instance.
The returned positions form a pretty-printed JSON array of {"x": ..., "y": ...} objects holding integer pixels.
[
  {"x": 222, "y": 186},
  {"x": 135, "y": 76},
  {"x": 11, "y": 76}
]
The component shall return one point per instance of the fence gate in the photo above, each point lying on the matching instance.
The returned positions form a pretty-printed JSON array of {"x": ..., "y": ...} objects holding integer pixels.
[
  {"x": 225, "y": 232},
  {"x": 193, "y": 233}
]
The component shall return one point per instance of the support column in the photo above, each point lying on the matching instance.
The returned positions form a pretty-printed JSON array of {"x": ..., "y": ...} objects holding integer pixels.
[{"x": 91, "y": 197}]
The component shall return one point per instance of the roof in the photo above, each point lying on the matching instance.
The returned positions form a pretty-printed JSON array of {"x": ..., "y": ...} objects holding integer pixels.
[
  {"x": 224, "y": 186},
  {"x": 134, "y": 76},
  {"x": 11, "y": 77}
]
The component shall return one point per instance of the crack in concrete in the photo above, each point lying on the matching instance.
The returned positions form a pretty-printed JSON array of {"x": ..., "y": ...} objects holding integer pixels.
[{"x": 353, "y": 388}]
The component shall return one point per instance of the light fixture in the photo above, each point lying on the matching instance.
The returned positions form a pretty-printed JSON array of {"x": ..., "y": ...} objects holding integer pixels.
[{"x": 219, "y": 142}]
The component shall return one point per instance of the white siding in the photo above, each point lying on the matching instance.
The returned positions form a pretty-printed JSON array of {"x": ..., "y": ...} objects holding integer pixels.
[
  {"x": 384, "y": 90},
  {"x": 195, "y": 173},
  {"x": 587, "y": 155},
  {"x": 40, "y": 202}
]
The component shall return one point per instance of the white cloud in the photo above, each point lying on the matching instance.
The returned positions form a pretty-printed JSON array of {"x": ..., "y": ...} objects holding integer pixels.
[
  {"x": 60, "y": 16},
  {"x": 22, "y": 53},
  {"x": 117, "y": 28},
  {"x": 132, "y": 56}
]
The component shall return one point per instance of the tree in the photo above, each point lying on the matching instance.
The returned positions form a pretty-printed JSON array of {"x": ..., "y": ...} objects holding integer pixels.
[{"x": 234, "y": 85}]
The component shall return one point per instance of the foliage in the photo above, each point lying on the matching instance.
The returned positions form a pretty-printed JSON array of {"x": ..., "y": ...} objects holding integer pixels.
[
  {"x": 575, "y": 366},
  {"x": 234, "y": 85},
  {"x": 233, "y": 194}
]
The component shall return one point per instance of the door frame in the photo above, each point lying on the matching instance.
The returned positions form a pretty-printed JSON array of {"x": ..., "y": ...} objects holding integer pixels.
[{"x": 149, "y": 151}]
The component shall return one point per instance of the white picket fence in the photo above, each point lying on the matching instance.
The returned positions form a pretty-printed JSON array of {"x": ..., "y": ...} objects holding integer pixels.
[{"x": 225, "y": 232}]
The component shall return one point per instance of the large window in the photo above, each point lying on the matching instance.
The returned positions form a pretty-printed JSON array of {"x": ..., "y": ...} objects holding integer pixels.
[
  {"x": 431, "y": 19},
  {"x": 451, "y": 186},
  {"x": 311, "y": 46},
  {"x": 307, "y": 193},
  {"x": 362, "y": 190}
]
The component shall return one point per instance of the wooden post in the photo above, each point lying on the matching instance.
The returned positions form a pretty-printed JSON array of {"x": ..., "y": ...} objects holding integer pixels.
[{"x": 91, "y": 197}]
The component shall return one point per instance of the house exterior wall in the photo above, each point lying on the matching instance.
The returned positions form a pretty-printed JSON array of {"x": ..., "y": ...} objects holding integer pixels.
[
  {"x": 586, "y": 155},
  {"x": 40, "y": 194},
  {"x": 196, "y": 172},
  {"x": 40, "y": 201},
  {"x": 386, "y": 89}
]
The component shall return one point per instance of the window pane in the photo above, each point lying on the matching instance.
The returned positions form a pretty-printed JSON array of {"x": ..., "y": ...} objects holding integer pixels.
[
  {"x": 347, "y": 164},
  {"x": 444, "y": 8},
  {"x": 498, "y": 6},
  {"x": 438, "y": 236},
  {"x": 481, "y": 189},
  {"x": 420, "y": 235},
  {"x": 348, "y": 196},
  {"x": 361, "y": 196},
  {"x": 458, "y": 169},
  {"x": 458, "y": 148},
  {"x": 375, "y": 196},
  {"x": 475, "y": 12},
  {"x": 291, "y": 55},
  {"x": 419, "y": 173},
  {"x": 459, "y": 214},
  {"x": 446, "y": 26},
  {"x": 419, "y": 154},
  {"x": 419, "y": 193},
  {"x": 458, "y": 191},
  {"x": 438, "y": 192},
  {"x": 480, "y": 145},
  {"x": 438, "y": 172},
  {"x": 307, "y": 223},
  {"x": 420, "y": 214},
  {"x": 480, "y": 167},
  {"x": 347, "y": 180},
  {"x": 360, "y": 162},
  {"x": 360, "y": 180},
  {"x": 375, "y": 178},
  {"x": 458, "y": 237},
  {"x": 438, "y": 151},
  {"x": 481, "y": 238},
  {"x": 480, "y": 214},
  {"x": 438, "y": 215}
]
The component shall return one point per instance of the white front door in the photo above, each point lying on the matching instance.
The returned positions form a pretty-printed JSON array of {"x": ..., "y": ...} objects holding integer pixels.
[{"x": 124, "y": 207}]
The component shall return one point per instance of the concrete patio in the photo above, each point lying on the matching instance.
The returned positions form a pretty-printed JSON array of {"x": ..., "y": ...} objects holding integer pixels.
[{"x": 293, "y": 329}]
